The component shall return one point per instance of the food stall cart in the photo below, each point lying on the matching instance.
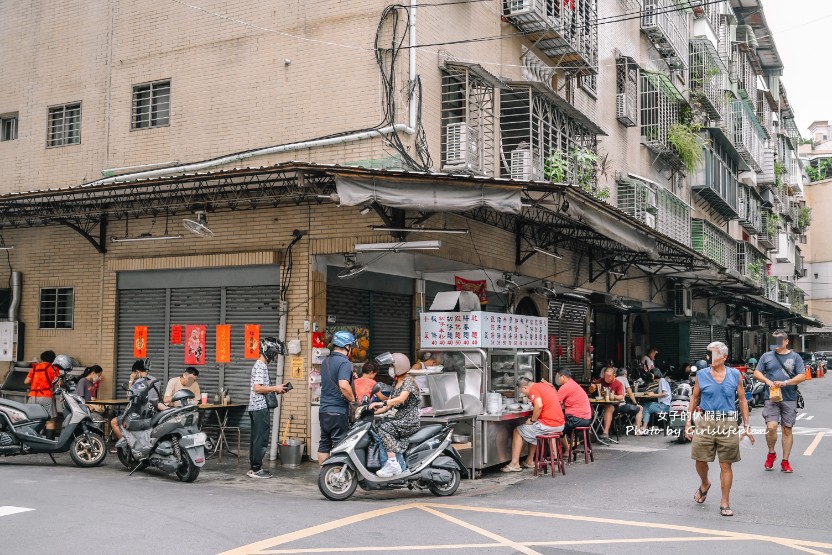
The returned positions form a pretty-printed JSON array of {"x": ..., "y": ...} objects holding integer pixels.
[{"x": 483, "y": 356}]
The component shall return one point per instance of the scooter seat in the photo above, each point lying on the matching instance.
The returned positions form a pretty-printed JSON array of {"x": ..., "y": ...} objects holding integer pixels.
[
  {"x": 161, "y": 415},
  {"x": 425, "y": 432},
  {"x": 32, "y": 412}
]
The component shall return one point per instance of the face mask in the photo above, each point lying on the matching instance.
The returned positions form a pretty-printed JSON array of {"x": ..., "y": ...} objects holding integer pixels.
[{"x": 391, "y": 372}]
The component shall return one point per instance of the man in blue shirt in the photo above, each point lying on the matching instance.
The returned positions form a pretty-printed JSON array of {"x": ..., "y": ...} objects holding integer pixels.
[
  {"x": 336, "y": 393},
  {"x": 781, "y": 368}
]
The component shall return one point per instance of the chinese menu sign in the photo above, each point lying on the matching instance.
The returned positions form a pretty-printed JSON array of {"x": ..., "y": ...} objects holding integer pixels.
[
  {"x": 195, "y": 345},
  {"x": 252, "y": 341},
  {"x": 483, "y": 329},
  {"x": 223, "y": 343}
]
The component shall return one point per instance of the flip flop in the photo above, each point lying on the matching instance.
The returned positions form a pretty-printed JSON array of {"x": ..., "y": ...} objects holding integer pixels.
[
  {"x": 509, "y": 468},
  {"x": 726, "y": 511},
  {"x": 703, "y": 495}
]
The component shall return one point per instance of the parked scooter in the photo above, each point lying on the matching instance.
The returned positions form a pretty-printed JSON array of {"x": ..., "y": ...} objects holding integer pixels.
[
  {"x": 170, "y": 440},
  {"x": 432, "y": 462},
  {"x": 21, "y": 426}
]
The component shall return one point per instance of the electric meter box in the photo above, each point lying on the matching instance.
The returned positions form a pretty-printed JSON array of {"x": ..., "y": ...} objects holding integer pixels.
[{"x": 11, "y": 341}]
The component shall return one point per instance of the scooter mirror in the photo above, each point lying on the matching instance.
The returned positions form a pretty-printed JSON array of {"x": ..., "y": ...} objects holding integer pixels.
[
  {"x": 124, "y": 387},
  {"x": 385, "y": 359}
]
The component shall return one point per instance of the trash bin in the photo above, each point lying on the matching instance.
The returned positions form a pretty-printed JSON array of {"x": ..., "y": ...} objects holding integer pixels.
[{"x": 291, "y": 452}]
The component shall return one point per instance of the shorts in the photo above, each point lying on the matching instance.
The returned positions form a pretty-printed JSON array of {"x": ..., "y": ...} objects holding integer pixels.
[
  {"x": 334, "y": 428},
  {"x": 627, "y": 408},
  {"x": 45, "y": 402},
  {"x": 529, "y": 432},
  {"x": 716, "y": 436},
  {"x": 573, "y": 422},
  {"x": 784, "y": 412}
]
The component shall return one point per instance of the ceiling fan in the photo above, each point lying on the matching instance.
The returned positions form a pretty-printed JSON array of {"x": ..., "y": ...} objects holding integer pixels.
[
  {"x": 198, "y": 226},
  {"x": 546, "y": 290},
  {"x": 351, "y": 267}
]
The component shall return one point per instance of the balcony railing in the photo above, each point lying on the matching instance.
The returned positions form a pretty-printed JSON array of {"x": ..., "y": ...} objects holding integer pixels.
[
  {"x": 748, "y": 134},
  {"x": 672, "y": 216},
  {"x": 769, "y": 231},
  {"x": 666, "y": 25},
  {"x": 766, "y": 175},
  {"x": 750, "y": 210},
  {"x": 712, "y": 242},
  {"x": 565, "y": 31},
  {"x": 743, "y": 73},
  {"x": 792, "y": 132},
  {"x": 638, "y": 199},
  {"x": 751, "y": 263},
  {"x": 707, "y": 77},
  {"x": 661, "y": 104}
]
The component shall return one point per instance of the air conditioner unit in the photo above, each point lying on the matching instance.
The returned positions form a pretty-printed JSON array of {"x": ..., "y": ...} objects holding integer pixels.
[
  {"x": 525, "y": 165},
  {"x": 622, "y": 110},
  {"x": 650, "y": 219},
  {"x": 682, "y": 301},
  {"x": 461, "y": 147},
  {"x": 651, "y": 202}
]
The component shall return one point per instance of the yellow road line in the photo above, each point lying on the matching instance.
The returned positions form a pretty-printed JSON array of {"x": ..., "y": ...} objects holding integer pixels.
[
  {"x": 315, "y": 530},
  {"x": 482, "y": 531},
  {"x": 811, "y": 449},
  {"x": 801, "y": 548},
  {"x": 633, "y": 523},
  {"x": 637, "y": 540},
  {"x": 387, "y": 548}
]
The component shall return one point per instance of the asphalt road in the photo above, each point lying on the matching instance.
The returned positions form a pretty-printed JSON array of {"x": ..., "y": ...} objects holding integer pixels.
[{"x": 635, "y": 498}]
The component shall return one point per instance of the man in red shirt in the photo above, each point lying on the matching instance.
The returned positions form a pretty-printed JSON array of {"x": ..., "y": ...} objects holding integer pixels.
[
  {"x": 608, "y": 383},
  {"x": 547, "y": 418},
  {"x": 576, "y": 407},
  {"x": 40, "y": 379}
]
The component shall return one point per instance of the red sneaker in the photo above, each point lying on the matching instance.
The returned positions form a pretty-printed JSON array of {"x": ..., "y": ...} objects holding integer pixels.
[
  {"x": 786, "y": 467},
  {"x": 770, "y": 461}
]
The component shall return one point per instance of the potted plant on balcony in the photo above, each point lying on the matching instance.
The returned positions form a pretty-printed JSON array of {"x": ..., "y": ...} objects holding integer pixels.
[
  {"x": 586, "y": 166},
  {"x": 773, "y": 226},
  {"x": 688, "y": 144}
]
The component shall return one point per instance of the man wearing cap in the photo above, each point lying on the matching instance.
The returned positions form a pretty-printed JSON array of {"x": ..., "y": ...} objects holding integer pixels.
[
  {"x": 336, "y": 393},
  {"x": 784, "y": 369},
  {"x": 139, "y": 376}
]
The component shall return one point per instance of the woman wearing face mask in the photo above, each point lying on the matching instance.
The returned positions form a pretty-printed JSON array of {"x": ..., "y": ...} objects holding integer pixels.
[
  {"x": 395, "y": 431},
  {"x": 88, "y": 383}
]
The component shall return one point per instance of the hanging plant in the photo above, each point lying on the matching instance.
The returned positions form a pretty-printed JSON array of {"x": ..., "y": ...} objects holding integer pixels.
[
  {"x": 804, "y": 217},
  {"x": 688, "y": 144},
  {"x": 755, "y": 269}
]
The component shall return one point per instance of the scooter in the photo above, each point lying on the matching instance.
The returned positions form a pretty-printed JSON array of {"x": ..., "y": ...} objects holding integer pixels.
[
  {"x": 21, "y": 426},
  {"x": 432, "y": 462},
  {"x": 758, "y": 392},
  {"x": 170, "y": 440}
]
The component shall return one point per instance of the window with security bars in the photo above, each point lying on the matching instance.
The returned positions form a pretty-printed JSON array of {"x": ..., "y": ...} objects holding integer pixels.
[
  {"x": 151, "y": 104},
  {"x": 748, "y": 134},
  {"x": 56, "y": 308},
  {"x": 64, "y": 125},
  {"x": 672, "y": 216},
  {"x": 716, "y": 181},
  {"x": 8, "y": 127},
  {"x": 707, "y": 77},
  {"x": 666, "y": 25},
  {"x": 660, "y": 107},
  {"x": 709, "y": 240},
  {"x": 638, "y": 199},
  {"x": 749, "y": 207},
  {"x": 751, "y": 263},
  {"x": 467, "y": 120},
  {"x": 626, "y": 91},
  {"x": 743, "y": 72},
  {"x": 532, "y": 128}
]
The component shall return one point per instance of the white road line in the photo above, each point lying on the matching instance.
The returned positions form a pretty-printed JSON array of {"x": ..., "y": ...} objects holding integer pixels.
[
  {"x": 811, "y": 449},
  {"x": 811, "y": 431},
  {"x": 7, "y": 510},
  {"x": 804, "y": 416}
]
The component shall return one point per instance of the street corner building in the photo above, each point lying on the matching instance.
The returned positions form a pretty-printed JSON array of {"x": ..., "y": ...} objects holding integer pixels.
[{"x": 626, "y": 170}]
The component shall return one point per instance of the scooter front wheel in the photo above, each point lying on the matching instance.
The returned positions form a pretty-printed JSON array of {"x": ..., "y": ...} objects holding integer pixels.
[
  {"x": 333, "y": 485},
  {"x": 88, "y": 450},
  {"x": 126, "y": 458}
]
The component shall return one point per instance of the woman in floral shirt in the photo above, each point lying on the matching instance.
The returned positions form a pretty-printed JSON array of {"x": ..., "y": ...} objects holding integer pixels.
[{"x": 396, "y": 430}]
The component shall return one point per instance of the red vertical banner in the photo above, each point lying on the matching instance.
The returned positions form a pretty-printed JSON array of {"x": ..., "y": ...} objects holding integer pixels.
[
  {"x": 223, "y": 343},
  {"x": 195, "y": 345},
  {"x": 140, "y": 342},
  {"x": 176, "y": 335},
  {"x": 252, "y": 341}
]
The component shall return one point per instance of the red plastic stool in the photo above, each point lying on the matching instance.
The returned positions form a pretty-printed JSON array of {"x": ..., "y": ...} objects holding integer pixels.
[
  {"x": 548, "y": 453},
  {"x": 587, "y": 447}
]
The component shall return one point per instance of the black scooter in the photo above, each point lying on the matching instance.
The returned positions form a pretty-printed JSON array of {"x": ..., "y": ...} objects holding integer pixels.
[
  {"x": 21, "y": 426},
  {"x": 432, "y": 462}
]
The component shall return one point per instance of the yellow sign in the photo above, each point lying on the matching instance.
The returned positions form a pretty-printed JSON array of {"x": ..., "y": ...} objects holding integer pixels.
[{"x": 297, "y": 368}]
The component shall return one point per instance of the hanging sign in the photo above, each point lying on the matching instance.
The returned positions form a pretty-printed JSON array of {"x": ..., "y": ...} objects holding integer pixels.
[
  {"x": 176, "y": 335},
  {"x": 297, "y": 368},
  {"x": 482, "y": 329},
  {"x": 195, "y": 345},
  {"x": 223, "y": 343},
  {"x": 140, "y": 342},
  {"x": 477, "y": 287},
  {"x": 252, "y": 341}
]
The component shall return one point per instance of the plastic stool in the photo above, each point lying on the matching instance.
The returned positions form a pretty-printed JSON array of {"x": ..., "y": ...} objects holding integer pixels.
[
  {"x": 549, "y": 453},
  {"x": 587, "y": 449}
]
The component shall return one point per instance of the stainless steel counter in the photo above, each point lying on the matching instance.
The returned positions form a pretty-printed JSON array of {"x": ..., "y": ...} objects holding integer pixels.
[{"x": 504, "y": 416}]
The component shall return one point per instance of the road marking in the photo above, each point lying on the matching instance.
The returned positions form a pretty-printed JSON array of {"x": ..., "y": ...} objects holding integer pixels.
[
  {"x": 811, "y": 449},
  {"x": 635, "y": 540},
  {"x": 7, "y": 510},
  {"x": 482, "y": 531},
  {"x": 804, "y": 416},
  {"x": 315, "y": 530},
  {"x": 811, "y": 431}
]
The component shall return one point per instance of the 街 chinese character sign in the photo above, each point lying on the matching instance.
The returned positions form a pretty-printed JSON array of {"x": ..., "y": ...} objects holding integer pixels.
[
  {"x": 483, "y": 329},
  {"x": 195, "y": 339}
]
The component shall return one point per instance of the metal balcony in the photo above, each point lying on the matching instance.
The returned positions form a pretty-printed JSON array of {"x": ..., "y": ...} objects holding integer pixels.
[
  {"x": 715, "y": 244},
  {"x": 749, "y": 135},
  {"x": 666, "y": 25},
  {"x": 707, "y": 77},
  {"x": 749, "y": 208}
]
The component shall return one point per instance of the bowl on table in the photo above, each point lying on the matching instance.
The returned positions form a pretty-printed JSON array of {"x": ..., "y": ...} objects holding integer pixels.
[{"x": 515, "y": 406}]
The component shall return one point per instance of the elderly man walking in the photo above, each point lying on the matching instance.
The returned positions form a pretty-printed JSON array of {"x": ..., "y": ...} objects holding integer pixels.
[
  {"x": 714, "y": 396},
  {"x": 547, "y": 418}
]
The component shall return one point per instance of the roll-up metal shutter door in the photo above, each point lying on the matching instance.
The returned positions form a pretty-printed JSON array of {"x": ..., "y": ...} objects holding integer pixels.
[
  {"x": 392, "y": 326},
  {"x": 568, "y": 327},
  {"x": 140, "y": 307},
  {"x": 351, "y": 307},
  {"x": 700, "y": 338},
  {"x": 719, "y": 333},
  {"x": 199, "y": 306},
  {"x": 664, "y": 336},
  {"x": 248, "y": 305}
]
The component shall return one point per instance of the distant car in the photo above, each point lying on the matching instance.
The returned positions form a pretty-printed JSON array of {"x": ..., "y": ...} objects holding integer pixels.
[{"x": 810, "y": 360}]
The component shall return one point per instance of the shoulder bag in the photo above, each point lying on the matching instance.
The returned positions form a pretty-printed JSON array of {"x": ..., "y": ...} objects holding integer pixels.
[
  {"x": 271, "y": 400},
  {"x": 800, "y": 401}
]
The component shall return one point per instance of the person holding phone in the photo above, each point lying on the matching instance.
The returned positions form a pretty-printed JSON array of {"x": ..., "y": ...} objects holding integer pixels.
[{"x": 258, "y": 409}]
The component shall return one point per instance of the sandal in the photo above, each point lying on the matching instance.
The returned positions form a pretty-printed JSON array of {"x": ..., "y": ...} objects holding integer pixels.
[
  {"x": 524, "y": 464},
  {"x": 726, "y": 511},
  {"x": 703, "y": 495},
  {"x": 509, "y": 468}
]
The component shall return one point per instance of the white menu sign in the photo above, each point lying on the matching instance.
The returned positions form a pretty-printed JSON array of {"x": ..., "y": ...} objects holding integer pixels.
[{"x": 482, "y": 329}]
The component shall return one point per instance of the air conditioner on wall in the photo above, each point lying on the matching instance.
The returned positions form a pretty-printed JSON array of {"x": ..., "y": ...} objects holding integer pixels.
[
  {"x": 461, "y": 146},
  {"x": 525, "y": 165},
  {"x": 682, "y": 301},
  {"x": 517, "y": 7},
  {"x": 621, "y": 112},
  {"x": 650, "y": 219}
]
